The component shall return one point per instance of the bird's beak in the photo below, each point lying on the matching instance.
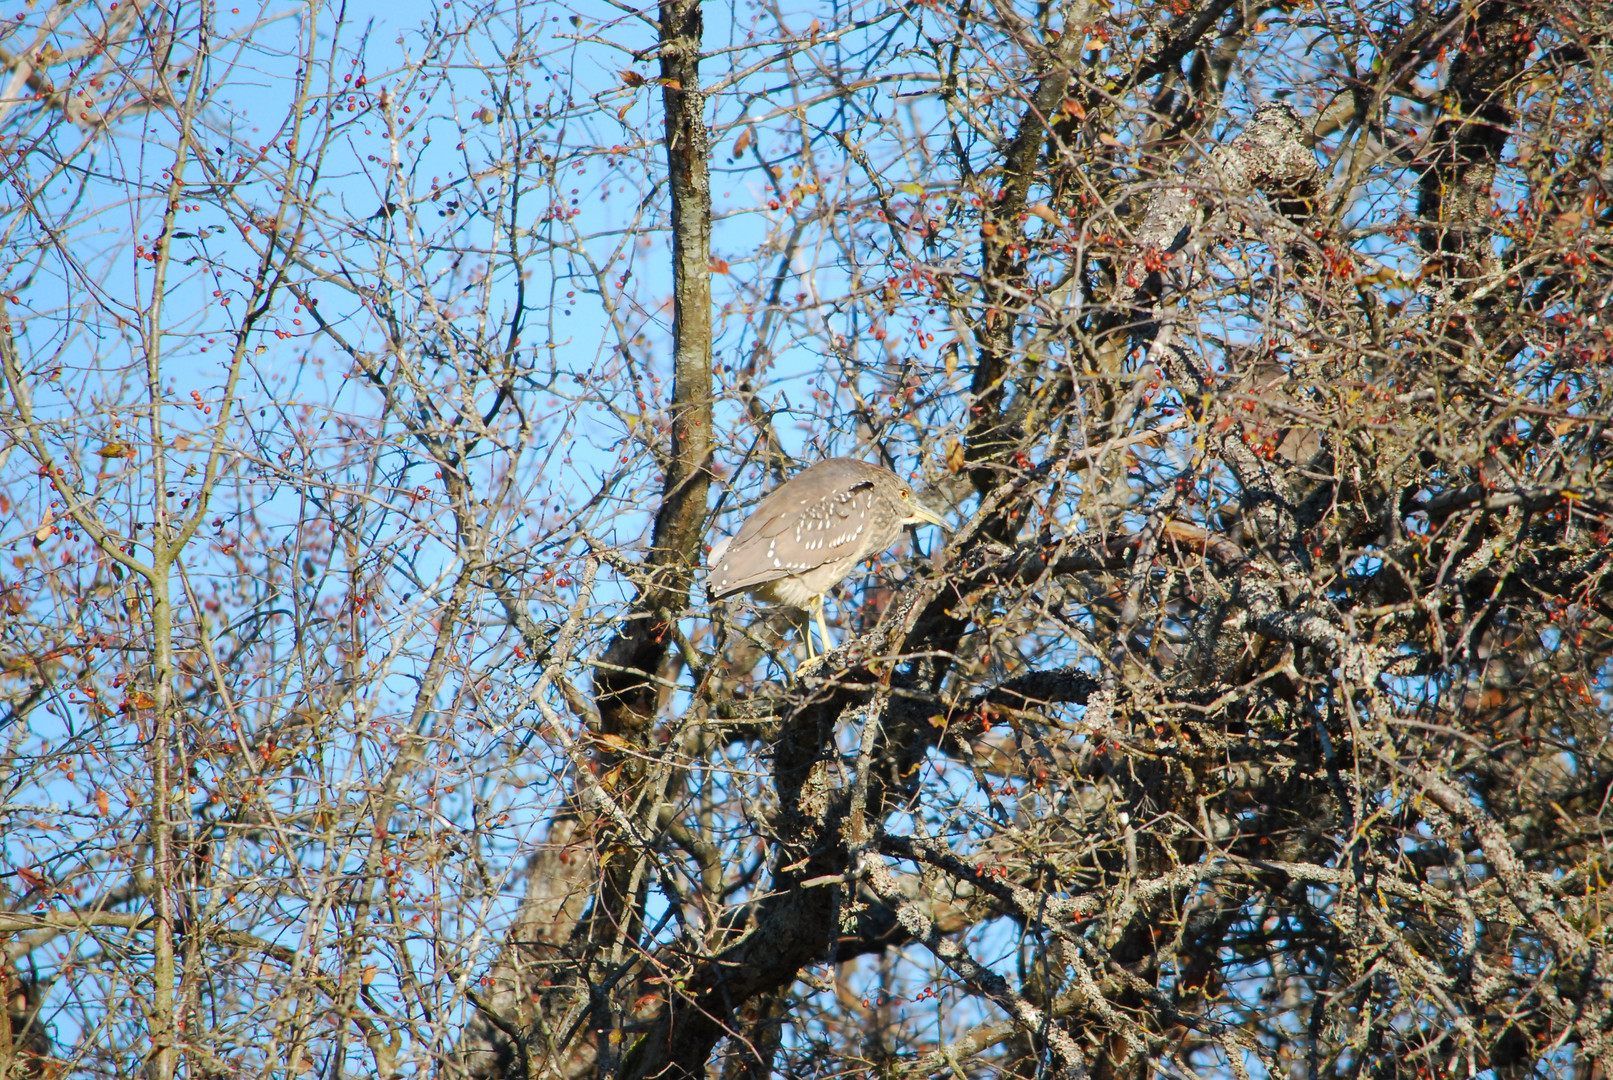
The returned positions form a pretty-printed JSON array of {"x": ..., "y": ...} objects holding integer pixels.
[{"x": 924, "y": 513}]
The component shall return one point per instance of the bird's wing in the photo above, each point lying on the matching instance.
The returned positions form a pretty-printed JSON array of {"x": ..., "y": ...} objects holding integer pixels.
[
  {"x": 830, "y": 526},
  {"x": 814, "y": 520},
  {"x": 791, "y": 537}
]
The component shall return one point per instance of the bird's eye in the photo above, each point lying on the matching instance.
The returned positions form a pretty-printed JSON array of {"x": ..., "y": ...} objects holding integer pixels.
[{"x": 906, "y": 494}]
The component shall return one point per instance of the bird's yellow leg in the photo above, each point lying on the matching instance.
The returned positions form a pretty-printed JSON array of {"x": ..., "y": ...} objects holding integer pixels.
[
  {"x": 812, "y": 660},
  {"x": 823, "y": 627}
]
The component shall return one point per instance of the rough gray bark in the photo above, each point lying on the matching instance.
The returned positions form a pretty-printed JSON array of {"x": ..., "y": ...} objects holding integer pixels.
[
  {"x": 1270, "y": 157},
  {"x": 559, "y": 881}
]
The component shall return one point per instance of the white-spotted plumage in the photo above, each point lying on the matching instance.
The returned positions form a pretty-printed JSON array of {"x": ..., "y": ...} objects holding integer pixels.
[{"x": 817, "y": 527}]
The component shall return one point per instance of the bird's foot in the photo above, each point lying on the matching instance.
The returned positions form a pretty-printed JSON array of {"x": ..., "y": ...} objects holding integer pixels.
[{"x": 811, "y": 663}]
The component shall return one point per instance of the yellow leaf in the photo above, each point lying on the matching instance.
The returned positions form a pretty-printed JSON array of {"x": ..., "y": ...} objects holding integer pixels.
[
  {"x": 613, "y": 742},
  {"x": 1108, "y": 139},
  {"x": 369, "y": 974},
  {"x": 1074, "y": 108},
  {"x": 1045, "y": 212},
  {"x": 633, "y": 79},
  {"x": 955, "y": 458},
  {"x": 742, "y": 143},
  {"x": 116, "y": 450},
  {"x": 910, "y": 189}
]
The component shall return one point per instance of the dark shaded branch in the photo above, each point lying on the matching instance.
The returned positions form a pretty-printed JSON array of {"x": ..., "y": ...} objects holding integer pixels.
[{"x": 1454, "y": 191}]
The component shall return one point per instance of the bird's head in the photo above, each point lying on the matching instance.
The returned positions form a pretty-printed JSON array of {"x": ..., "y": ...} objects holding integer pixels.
[{"x": 914, "y": 511}]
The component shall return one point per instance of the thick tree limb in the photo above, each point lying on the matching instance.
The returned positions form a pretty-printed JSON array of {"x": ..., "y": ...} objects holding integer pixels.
[{"x": 626, "y": 699}]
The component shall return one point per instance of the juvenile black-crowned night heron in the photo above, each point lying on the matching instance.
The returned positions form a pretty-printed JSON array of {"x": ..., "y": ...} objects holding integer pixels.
[{"x": 804, "y": 538}]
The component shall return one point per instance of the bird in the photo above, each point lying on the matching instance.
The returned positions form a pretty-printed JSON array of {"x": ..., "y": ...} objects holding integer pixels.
[{"x": 807, "y": 535}]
